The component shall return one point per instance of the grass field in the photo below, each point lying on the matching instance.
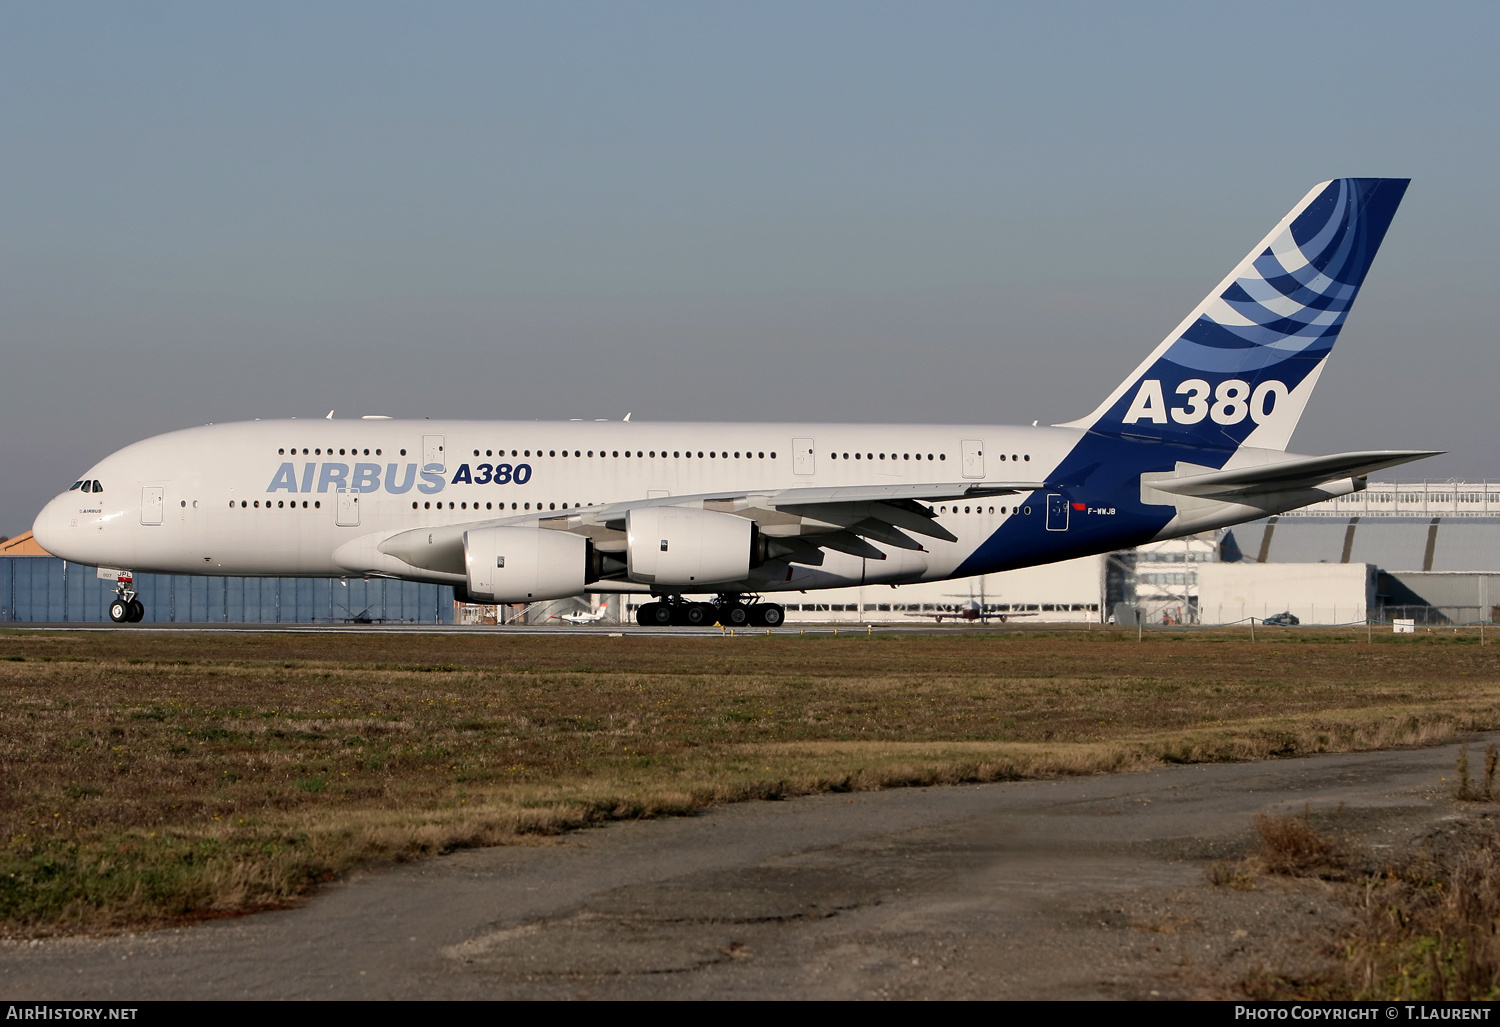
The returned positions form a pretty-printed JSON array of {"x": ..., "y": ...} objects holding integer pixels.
[{"x": 147, "y": 778}]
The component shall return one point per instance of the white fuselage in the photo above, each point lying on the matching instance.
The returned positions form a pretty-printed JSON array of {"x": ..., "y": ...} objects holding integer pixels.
[{"x": 282, "y": 497}]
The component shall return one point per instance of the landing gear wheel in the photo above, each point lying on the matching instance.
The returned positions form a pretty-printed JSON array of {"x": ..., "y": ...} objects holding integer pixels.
[
  {"x": 137, "y": 611},
  {"x": 696, "y": 614},
  {"x": 735, "y": 616},
  {"x": 120, "y": 611},
  {"x": 770, "y": 615},
  {"x": 656, "y": 615}
]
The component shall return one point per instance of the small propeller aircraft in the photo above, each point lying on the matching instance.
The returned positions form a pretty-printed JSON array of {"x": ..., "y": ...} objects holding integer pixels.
[{"x": 584, "y": 616}]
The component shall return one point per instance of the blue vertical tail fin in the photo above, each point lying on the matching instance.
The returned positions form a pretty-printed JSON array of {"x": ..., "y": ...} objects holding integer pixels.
[{"x": 1239, "y": 369}]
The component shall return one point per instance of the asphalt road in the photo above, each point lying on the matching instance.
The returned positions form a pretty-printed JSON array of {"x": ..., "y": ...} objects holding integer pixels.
[{"x": 1076, "y": 888}]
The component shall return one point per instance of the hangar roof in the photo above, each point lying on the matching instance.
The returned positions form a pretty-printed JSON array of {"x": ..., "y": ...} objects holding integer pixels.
[
  {"x": 1433, "y": 543},
  {"x": 22, "y": 545}
]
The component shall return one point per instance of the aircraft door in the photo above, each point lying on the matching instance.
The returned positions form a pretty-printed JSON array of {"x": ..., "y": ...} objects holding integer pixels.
[
  {"x": 347, "y": 509},
  {"x": 432, "y": 453},
  {"x": 802, "y": 456},
  {"x": 973, "y": 458},
  {"x": 1057, "y": 512},
  {"x": 152, "y": 504}
]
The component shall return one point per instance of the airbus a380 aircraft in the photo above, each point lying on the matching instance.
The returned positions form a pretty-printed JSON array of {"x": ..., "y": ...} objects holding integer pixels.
[{"x": 509, "y": 511}]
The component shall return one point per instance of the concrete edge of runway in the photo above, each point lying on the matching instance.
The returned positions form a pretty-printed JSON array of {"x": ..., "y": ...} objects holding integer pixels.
[{"x": 598, "y": 631}]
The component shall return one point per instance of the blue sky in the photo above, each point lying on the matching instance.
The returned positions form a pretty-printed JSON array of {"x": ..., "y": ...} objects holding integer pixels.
[{"x": 825, "y": 211}]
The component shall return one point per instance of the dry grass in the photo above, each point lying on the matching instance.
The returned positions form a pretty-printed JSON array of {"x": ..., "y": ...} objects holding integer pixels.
[
  {"x": 1463, "y": 786},
  {"x": 1428, "y": 928},
  {"x": 1425, "y": 927},
  {"x": 149, "y": 777},
  {"x": 1290, "y": 845}
]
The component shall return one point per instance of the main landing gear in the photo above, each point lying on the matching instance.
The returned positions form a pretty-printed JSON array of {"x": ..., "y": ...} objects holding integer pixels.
[
  {"x": 729, "y": 609},
  {"x": 126, "y": 609}
]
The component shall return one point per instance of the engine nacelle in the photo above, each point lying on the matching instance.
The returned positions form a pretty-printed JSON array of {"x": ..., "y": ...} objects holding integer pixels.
[
  {"x": 678, "y": 546},
  {"x": 524, "y": 565}
]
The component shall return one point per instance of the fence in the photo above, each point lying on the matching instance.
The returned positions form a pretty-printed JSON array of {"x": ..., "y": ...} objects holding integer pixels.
[{"x": 39, "y": 589}]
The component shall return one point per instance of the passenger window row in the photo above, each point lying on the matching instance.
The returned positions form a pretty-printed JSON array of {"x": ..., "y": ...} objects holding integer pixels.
[
  {"x": 452, "y": 505},
  {"x": 280, "y": 504},
  {"x": 642, "y": 454},
  {"x": 713, "y": 454},
  {"x": 514, "y": 506},
  {"x": 352, "y": 451},
  {"x": 1018, "y": 457},
  {"x": 881, "y": 456}
]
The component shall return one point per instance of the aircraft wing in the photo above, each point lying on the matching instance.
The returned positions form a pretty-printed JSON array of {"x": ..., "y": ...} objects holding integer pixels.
[
  {"x": 803, "y": 521},
  {"x": 798, "y": 522},
  {"x": 1286, "y": 475},
  {"x": 890, "y": 493}
]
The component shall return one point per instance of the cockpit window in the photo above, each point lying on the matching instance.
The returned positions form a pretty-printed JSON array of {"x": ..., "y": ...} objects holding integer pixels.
[
  {"x": 97, "y": 486},
  {"x": 75, "y": 485}
]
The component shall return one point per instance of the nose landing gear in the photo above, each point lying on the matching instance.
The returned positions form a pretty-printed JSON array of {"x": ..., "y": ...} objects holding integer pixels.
[{"x": 126, "y": 609}]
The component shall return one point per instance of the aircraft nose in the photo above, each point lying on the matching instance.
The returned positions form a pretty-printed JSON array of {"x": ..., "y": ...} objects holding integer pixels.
[{"x": 50, "y": 527}]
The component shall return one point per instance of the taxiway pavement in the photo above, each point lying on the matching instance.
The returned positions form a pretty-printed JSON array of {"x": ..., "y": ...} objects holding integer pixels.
[{"x": 1071, "y": 888}]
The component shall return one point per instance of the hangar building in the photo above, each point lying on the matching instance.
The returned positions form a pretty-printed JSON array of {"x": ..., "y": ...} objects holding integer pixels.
[
  {"x": 38, "y": 588},
  {"x": 1434, "y": 550}
]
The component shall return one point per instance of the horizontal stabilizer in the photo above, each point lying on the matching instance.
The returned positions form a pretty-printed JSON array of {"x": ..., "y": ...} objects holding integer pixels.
[{"x": 1287, "y": 475}]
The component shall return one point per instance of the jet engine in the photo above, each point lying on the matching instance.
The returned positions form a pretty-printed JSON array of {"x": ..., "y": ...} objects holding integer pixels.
[
  {"x": 682, "y": 547},
  {"x": 524, "y": 565}
]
